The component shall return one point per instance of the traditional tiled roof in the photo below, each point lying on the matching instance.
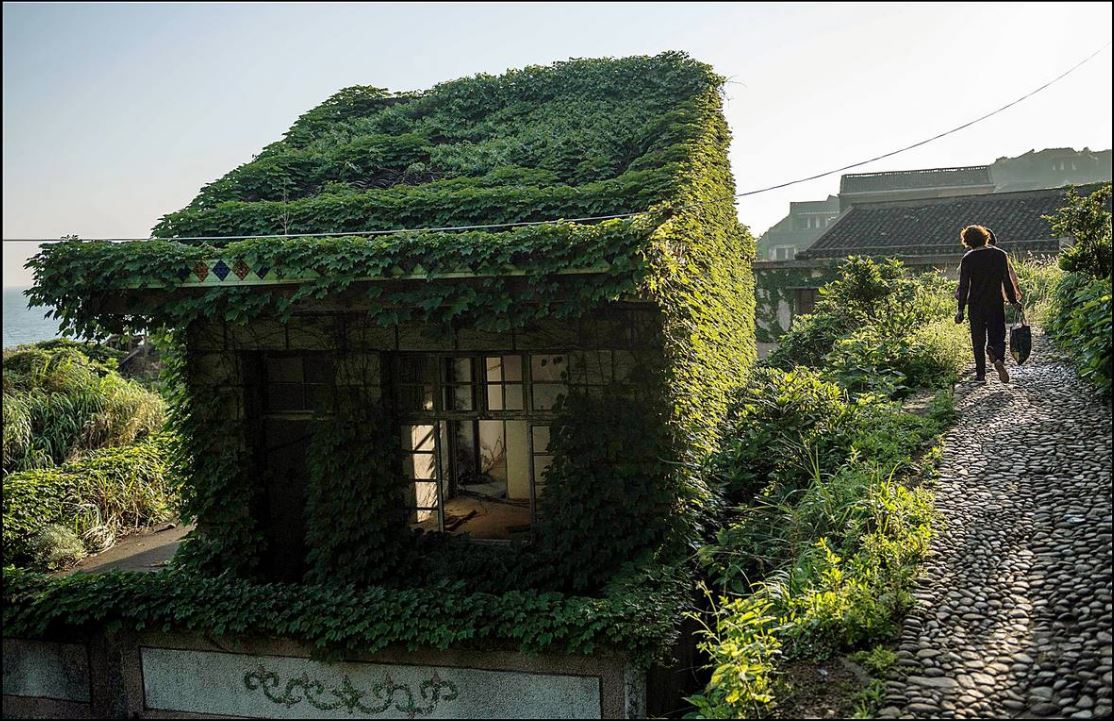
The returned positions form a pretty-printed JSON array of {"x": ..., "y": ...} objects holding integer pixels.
[
  {"x": 969, "y": 176},
  {"x": 931, "y": 226}
]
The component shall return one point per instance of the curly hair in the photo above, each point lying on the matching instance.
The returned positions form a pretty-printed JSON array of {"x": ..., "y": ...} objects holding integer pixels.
[{"x": 974, "y": 236}]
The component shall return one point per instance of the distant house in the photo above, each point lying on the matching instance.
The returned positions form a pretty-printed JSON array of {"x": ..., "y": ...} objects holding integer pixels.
[
  {"x": 922, "y": 232},
  {"x": 856, "y": 188},
  {"x": 1035, "y": 170},
  {"x": 806, "y": 221},
  {"x": 1051, "y": 168}
]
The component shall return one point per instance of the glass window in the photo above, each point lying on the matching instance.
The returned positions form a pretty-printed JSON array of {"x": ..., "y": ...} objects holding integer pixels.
[{"x": 475, "y": 432}]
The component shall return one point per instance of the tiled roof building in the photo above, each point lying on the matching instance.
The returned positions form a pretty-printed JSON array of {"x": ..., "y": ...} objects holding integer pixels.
[{"x": 931, "y": 226}]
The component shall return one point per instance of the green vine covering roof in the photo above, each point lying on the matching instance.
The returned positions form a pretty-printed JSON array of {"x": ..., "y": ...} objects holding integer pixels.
[{"x": 576, "y": 139}]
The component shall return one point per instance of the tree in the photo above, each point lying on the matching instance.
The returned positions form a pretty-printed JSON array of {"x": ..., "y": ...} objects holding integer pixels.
[{"x": 1087, "y": 220}]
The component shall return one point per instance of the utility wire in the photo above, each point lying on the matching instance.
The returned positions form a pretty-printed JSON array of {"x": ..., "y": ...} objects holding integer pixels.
[
  {"x": 613, "y": 216},
  {"x": 933, "y": 138}
]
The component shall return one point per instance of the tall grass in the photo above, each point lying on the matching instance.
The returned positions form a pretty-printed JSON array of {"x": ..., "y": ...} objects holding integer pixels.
[
  {"x": 99, "y": 496},
  {"x": 1038, "y": 277},
  {"x": 58, "y": 403}
]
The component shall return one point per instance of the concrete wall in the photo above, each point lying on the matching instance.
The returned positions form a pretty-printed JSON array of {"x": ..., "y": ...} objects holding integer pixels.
[{"x": 176, "y": 676}]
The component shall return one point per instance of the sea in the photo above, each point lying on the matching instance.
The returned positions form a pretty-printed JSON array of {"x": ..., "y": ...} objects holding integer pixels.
[{"x": 23, "y": 324}]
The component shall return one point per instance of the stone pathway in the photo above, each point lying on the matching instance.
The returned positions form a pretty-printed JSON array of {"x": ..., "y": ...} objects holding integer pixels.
[{"x": 1013, "y": 613}]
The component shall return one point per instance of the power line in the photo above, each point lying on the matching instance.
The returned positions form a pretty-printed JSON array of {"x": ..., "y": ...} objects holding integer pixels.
[
  {"x": 613, "y": 216},
  {"x": 933, "y": 138}
]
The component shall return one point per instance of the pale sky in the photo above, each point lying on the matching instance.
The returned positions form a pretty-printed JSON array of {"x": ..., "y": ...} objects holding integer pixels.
[{"x": 117, "y": 114}]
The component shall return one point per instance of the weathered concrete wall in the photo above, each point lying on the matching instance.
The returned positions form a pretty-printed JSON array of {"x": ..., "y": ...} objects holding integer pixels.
[
  {"x": 46, "y": 678},
  {"x": 174, "y": 676}
]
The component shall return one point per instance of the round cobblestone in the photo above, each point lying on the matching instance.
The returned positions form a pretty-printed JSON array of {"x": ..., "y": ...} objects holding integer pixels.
[{"x": 1014, "y": 604}]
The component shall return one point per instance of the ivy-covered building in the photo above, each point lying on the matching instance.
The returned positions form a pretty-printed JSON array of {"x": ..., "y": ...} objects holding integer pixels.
[{"x": 373, "y": 395}]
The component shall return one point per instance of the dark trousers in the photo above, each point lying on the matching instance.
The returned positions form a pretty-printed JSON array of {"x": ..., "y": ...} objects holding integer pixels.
[{"x": 988, "y": 335}]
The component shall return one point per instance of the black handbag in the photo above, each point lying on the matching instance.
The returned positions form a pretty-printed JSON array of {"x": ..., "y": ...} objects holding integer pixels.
[{"x": 1021, "y": 338}]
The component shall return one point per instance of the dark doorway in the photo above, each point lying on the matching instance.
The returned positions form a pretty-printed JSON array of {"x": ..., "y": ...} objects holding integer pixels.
[{"x": 296, "y": 388}]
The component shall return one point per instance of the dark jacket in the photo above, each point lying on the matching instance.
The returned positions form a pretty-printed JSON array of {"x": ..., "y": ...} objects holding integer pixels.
[{"x": 983, "y": 275}]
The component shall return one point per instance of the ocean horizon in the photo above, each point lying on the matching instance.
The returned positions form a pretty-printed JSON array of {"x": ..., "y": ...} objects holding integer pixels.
[{"x": 24, "y": 325}]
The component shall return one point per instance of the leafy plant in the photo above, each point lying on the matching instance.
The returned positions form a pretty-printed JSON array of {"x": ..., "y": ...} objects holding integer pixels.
[
  {"x": 860, "y": 331},
  {"x": 1080, "y": 323},
  {"x": 59, "y": 403},
  {"x": 1087, "y": 221},
  {"x": 99, "y": 496},
  {"x": 775, "y": 424},
  {"x": 56, "y": 547},
  {"x": 743, "y": 647}
]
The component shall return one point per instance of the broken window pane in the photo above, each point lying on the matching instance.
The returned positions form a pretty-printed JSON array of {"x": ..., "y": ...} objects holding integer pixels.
[
  {"x": 548, "y": 368},
  {"x": 546, "y": 395}
]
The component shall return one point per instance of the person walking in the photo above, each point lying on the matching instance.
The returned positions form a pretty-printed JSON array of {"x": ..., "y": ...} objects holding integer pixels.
[{"x": 983, "y": 277}]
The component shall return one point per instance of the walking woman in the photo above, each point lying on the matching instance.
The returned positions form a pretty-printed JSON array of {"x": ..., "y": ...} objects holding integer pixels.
[{"x": 983, "y": 276}]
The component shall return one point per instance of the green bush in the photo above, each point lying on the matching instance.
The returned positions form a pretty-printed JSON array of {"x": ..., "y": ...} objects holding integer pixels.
[
  {"x": 99, "y": 496},
  {"x": 1087, "y": 221},
  {"x": 775, "y": 425},
  {"x": 861, "y": 327},
  {"x": 937, "y": 353},
  {"x": 865, "y": 362},
  {"x": 59, "y": 403},
  {"x": 1080, "y": 323},
  {"x": 831, "y": 562},
  {"x": 742, "y": 647},
  {"x": 56, "y": 547}
]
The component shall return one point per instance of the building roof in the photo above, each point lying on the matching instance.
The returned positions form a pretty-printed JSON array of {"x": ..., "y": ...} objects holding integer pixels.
[
  {"x": 574, "y": 139},
  {"x": 829, "y": 205},
  {"x": 968, "y": 176},
  {"x": 931, "y": 226},
  {"x": 443, "y": 205}
]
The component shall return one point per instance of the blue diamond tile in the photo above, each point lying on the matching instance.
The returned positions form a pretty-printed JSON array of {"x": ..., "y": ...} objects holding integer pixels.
[
  {"x": 262, "y": 271},
  {"x": 183, "y": 273},
  {"x": 221, "y": 270}
]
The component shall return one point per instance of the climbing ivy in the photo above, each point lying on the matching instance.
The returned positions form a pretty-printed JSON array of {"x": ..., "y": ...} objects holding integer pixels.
[
  {"x": 73, "y": 276},
  {"x": 774, "y": 287},
  {"x": 335, "y": 618},
  {"x": 355, "y": 531}
]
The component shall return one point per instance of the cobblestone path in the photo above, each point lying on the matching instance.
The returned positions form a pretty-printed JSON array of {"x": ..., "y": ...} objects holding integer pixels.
[{"x": 1013, "y": 613}]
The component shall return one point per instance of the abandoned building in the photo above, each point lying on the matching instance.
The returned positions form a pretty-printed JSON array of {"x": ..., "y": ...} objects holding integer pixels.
[{"x": 471, "y": 335}]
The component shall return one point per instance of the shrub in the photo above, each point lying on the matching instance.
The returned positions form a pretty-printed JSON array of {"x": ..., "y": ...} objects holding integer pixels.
[
  {"x": 866, "y": 362},
  {"x": 100, "y": 496},
  {"x": 1087, "y": 220},
  {"x": 831, "y": 564},
  {"x": 59, "y": 403},
  {"x": 1038, "y": 278},
  {"x": 56, "y": 547},
  {"x": 775, "y": 424},
  {"x": 742, "y": 647},
  {"x": 864, "y": 317},
  {"x": 1080, "y": 323},
  {"x": 936, "y": 354}
]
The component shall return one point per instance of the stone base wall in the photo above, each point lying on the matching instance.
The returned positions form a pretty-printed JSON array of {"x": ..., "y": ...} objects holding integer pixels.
[{"x": 154, "y": 675}]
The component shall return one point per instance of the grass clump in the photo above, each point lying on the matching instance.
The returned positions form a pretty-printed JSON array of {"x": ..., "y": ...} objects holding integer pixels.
[{"x": 59, "y": 402}]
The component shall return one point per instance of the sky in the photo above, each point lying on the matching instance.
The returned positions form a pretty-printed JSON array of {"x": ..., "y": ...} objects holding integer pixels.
[{"x": 115, "y": 114}]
